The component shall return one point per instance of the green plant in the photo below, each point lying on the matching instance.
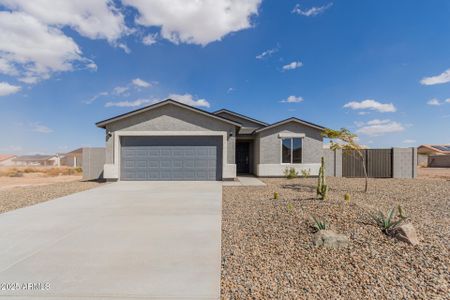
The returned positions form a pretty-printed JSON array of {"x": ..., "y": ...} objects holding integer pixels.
[
  {"x": 306, "y": 173},
  {"x": 389, "y": 222},
  {"x": 322, "y": 188},
  {"x": 290, "y": 207},
  {"x": 275, "y": 195},
  {"x": 347, "y": 197},
  {"x": 319, "y": 224},
  {"x": 290, "y": 173}
]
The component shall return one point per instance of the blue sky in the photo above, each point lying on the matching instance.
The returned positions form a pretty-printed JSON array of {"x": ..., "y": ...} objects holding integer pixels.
[{"x": 380, "y": 68}]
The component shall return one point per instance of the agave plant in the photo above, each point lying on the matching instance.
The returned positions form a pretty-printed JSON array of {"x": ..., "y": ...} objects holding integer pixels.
[
  {"x": 319, "y": 224},
  {"x": 388, "y": 222}
]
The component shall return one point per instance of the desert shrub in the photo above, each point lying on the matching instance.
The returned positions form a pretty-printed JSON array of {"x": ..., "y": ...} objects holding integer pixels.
[
  {"x": 31, "y": 170},
  {"x": 290, "y": 173},
  {"x": 11, "y": 172},
  {"x": 319, "y": 224},
  {"x": 275, "y": 195},
  {"x": 290, "y": 207},
  {"x": 78, "y": 170},
  {"x": 347, "y": 197},
  {"x": 61, "y": 171},
  {"x": 389, "y": 222},
  {"x": 306, "y": 173}
]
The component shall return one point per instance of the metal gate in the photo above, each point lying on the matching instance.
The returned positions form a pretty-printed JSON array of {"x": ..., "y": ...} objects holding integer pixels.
[{"x": 378, "y": 163}]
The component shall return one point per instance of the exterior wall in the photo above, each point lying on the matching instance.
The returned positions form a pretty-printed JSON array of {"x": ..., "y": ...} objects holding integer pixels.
[
  {"x": 93, "y": 162},
  {"x": 173, "y": 119},
  {"x": 73, "y": 159},
  {"x": 268, "y": 160},
  {"x": 333, "y": 162},
  {"x": 422, "y": 160},
  {"x": 439, "y": 161},
  {"x": 404, "y": 162}
]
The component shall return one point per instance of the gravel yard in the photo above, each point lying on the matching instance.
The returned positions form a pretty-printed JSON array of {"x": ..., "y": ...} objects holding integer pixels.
[
  {"x": 267, "y": 250},
  {"x": 17, "y": 197}
]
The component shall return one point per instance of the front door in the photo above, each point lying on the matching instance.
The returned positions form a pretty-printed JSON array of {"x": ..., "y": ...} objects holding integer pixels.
[{"x": 243, "y": 157}]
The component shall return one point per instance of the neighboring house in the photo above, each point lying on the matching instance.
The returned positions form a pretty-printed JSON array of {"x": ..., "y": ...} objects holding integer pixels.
[
  {"x": 73, "y": 158},
  {"x": 173, "y": 141},
  {"x": 425, "y": 153},
  {"x": 7, "y": 160},
  {"x": 37, "y": 160}
]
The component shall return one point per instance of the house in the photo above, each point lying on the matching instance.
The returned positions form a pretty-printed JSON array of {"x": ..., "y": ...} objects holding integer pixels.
[
  {"x": 6, "y": 160},
  {"x": 426, "y": 153},
  {"x": 73, "y": 158},
  {"x": 173, "y": 141},
  {"x": 37, "y": 160}
]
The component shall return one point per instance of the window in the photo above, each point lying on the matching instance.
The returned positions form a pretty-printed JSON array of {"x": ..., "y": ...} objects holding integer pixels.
[{"x": 291, "y": 151}]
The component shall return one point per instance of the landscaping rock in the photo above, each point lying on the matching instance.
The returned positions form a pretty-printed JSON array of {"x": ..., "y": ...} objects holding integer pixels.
[
  {"x": 406, "y": 233},
  {"x": 330, "y": 239}
]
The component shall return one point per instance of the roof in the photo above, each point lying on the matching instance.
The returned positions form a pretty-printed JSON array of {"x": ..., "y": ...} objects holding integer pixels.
[
  {"x": 36, "y": 157},
  {"x": 6, "y": 156},
  {"x": 102, "y": 124},
  {"x": 442, "y": 149},
  {"x": 240, "y": 116},
  {"x": 293, "y": 119}
]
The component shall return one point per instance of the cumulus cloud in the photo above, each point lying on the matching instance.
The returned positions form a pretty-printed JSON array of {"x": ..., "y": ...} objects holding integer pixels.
[
  {"x": 38, "y": 127},
  {"x": 292, "y": 99},
  {"x": 33, "y": 50},
  {"x": 135, "y": 103},
  {"x": 438, "y": 79},
  {"x": 311, "y": 12},
  {"x": 371, "y": 105},
  {"x": 94, "y": 19},
  {"x": 378, "y": 127},
  {"x": 189, "y": 100},
  {"x": 267, "y": 53},
  {"x": 434, "y": 102},
  {"x": 150, "y": 39},
  {"x": 293, "y": 65},
  {"x": 8, "y": 89},
  {"x": 195, "y": 22},
  {"x": 141, "y": 83}
]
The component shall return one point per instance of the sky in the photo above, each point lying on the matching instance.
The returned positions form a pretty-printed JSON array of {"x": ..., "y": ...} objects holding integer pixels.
[{"x": 379, "y": 68}]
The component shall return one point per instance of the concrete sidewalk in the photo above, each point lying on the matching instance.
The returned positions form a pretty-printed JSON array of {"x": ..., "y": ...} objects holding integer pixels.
[{"x": 127, "y": 240}]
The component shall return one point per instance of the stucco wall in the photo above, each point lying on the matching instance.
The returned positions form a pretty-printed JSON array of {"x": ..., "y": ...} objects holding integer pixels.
[
  {"x": 171, "y": 118},
  {"x": 270, "y": 143},
  {"x": 93, "y": 161}
]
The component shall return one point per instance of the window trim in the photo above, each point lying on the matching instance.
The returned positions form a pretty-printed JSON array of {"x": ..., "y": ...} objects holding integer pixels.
[{"x": 292, "y": 150}]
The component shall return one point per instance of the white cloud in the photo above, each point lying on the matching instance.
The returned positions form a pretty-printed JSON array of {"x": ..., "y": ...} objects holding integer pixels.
[
  {"x": 438, "y": 79},
  {"x": 141, "y": 83},
  {"x": 409, "y": 141},
  {"x": 95, "y": 97},
  {"x": 8, "y": 89},
  {"x": 230, "y": 90},
  {"x": 379, "y": 127},
  {"x": 195, "y": 22},
  {"x": 311, "y": 12},
  {"x": 33, "y": 50},
  {"x": 293, "y": 65},
  {"x": 38, "y": 127},
  {"x": 135, "y": 103},
  {"x": 434, "y": 102},
  {"x": 120, "y": 90},
  {"x": 150, "y": 39},
  {"x": 267, "y": 53},
  {"x": 447, "y": 100},
  {"x": 371, "y": 105},
  {"x": 292, "y": 99},
  {"x": 94, "y": 19},
  {"x": 189, "y": 100}
]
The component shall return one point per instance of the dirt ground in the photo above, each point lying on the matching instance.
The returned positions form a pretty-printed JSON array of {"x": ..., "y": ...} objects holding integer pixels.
[
  {"x": 433, "y": 173},
  {"x": 34, "y": 179}
]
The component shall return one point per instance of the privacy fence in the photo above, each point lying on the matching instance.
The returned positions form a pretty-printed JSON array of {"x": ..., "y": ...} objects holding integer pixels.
[{"x": 380, "y": 163}]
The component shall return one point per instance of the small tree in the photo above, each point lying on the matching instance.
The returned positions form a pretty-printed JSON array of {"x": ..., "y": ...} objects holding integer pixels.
[{"x": 348, "y": 142}]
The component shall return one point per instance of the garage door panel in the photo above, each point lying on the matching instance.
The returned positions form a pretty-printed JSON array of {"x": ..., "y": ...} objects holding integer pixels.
[{"x": 171, "y": 158}]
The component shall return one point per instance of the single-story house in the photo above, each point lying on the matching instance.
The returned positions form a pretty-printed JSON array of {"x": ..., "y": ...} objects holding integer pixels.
[
  {"x": 173, "y": 141},
  {"x": 7, "y": 159},
  {"x": 425, "y": 153},
  {"x": 73, "y": 158},
  {"x": 36, "y": 160}
]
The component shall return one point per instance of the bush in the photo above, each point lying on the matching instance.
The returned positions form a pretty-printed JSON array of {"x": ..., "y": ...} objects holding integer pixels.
[
  {"x": 388, "y": 223},
  {"x": 306, "y": 173},
  {"x": 319, "y": 224},
  {"x": 290, "y": 173}
]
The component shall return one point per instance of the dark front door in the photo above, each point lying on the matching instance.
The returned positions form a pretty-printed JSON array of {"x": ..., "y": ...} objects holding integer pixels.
[{"x": 243, "y": 157}]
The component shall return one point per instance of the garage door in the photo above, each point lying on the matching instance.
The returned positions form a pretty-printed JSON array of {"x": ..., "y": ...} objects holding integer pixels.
[{"x": 171, "y": 158}]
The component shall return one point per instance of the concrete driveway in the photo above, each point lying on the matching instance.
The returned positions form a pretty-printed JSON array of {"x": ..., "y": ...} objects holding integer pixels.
[{"x": 126, "y": 240}]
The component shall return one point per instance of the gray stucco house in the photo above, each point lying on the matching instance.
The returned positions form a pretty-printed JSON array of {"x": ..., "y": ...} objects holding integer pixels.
[{"x": 173, "y": 141}]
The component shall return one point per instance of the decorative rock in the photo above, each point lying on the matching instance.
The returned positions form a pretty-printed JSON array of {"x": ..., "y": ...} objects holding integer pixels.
[
  {"x": 330, "y": 239},
  {"x": 406, "y": 233}
]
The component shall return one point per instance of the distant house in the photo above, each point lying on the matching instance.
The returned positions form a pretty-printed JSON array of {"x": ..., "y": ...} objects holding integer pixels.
[
  {"x": 37, "y": 160},
  {"x": 73, "y": 158},
  {"x": 7, "y": 159},
  {"x": 430, "y": 155}
]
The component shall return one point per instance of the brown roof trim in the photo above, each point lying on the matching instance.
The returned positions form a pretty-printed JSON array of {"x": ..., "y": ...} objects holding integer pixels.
[
  {"x": 102, "y": 124},
  {"x": 293, "y": 119},
  {"x": 240, "y": 116}
]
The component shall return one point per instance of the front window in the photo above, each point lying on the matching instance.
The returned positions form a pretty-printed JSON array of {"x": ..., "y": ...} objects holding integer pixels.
[{"x": 291, "y": 151}]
